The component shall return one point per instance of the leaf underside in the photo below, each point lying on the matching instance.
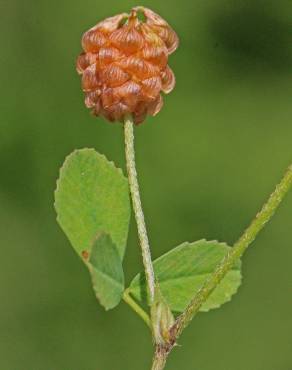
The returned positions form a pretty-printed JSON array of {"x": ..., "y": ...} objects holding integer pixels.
[
  {"x": 106, "y": 271},
  {"x": 182, "y": 271},
  {"x": 91, "y": 199}
]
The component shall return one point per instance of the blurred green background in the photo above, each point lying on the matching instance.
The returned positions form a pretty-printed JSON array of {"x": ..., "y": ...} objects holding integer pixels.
[{"x": 206, "y": 164}]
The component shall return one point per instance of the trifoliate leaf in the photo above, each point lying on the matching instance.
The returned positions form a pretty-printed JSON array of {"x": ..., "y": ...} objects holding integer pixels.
[{"x": 182, "y": 271}]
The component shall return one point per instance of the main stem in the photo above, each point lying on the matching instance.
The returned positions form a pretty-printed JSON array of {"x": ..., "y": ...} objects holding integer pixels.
[
  {"x": 137, "y": 206},
  {"x": 159, "y": 360}
]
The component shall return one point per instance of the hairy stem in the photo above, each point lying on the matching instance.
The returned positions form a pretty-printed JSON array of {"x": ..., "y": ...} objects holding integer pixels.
[
  {"x": 159, "y": 360},
  {"x": 226, "y": 264},
  {"x": 236, "y": 252},
  {"x": 130, "y": 301},
  {"x": 137, "y": 207}
]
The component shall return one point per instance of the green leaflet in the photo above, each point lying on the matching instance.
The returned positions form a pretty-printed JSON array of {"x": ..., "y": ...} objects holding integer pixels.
[
  {"x": 182, "y": 271},
  {"x": 92, "y": 198},
  {"x": 106, "y": 271}
]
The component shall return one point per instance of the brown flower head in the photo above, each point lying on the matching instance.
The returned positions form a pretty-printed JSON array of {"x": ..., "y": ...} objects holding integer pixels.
[{"x": 124, "y": 65}]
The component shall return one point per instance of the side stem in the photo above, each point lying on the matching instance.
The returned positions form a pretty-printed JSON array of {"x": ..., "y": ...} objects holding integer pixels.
[
  {"x": 137, "y": 207},
  {"x": 135, "y": 307},
  {"x": 236, "y": 252}
]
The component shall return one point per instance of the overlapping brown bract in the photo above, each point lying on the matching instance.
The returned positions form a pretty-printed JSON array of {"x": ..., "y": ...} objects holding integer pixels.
[{"x": 124, "y": 65}]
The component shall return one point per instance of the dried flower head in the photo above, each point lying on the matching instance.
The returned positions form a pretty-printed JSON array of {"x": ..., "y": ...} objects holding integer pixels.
[{"x": 124, "y": 65}]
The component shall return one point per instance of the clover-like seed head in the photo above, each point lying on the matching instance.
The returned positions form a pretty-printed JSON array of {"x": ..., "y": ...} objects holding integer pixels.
[{"x": 124, "y": 65}]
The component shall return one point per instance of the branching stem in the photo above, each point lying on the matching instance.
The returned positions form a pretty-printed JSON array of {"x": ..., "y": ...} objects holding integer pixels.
[
  {"x": 161, "y": 352},
  {"x": 137, "y": 207},
  {"x": 225, "y": 265}
]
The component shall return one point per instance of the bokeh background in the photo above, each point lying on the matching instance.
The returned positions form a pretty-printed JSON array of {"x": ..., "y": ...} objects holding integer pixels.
[{"x": 206, "y": 164}]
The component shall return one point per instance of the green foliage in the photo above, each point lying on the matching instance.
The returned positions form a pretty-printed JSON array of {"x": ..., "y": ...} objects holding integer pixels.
[
  {"x": 182, "y": 271},
  {"x": 92, "y": 198},
  {"x": 106, "y": 271}
]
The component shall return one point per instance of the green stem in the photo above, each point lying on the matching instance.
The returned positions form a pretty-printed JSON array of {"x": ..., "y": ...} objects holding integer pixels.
[
  {"x": 130, "y": 301},
  {"x": 236, "y": 252},
  {"x": 137, "y": 207}
]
